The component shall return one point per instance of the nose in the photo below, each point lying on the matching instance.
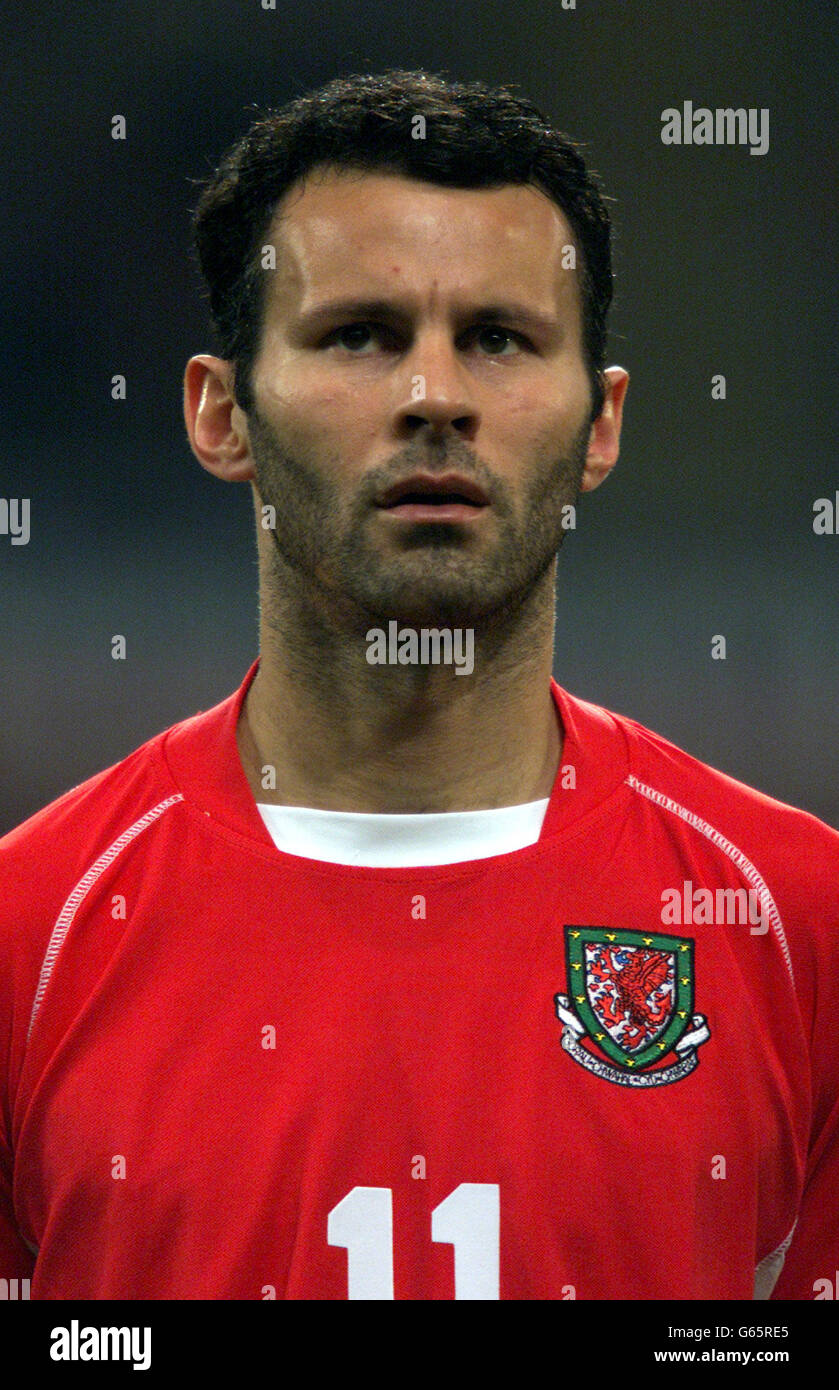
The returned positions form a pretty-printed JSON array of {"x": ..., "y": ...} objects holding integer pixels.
[{"x": 434, "y": 390}]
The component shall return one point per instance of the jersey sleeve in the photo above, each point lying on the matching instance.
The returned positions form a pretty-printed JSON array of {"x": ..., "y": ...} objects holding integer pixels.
[
  {"x": 813, "y": 1254},
  {"x": 41, "y": 862},
  {"x": 812, "y": 1261},
  {"x": 31, "y": 883},
  {"x": 16, "y": 1260}
]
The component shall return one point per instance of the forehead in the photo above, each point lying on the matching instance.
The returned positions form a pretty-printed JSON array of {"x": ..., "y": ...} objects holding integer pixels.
[{"x": 341, "y": 227}]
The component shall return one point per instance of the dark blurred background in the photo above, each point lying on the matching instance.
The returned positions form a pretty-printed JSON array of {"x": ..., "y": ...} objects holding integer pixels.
[{"x": 722, "y": 264}]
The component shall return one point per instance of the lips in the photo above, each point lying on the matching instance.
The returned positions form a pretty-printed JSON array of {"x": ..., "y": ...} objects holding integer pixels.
[{"x": 435, "y": 490}]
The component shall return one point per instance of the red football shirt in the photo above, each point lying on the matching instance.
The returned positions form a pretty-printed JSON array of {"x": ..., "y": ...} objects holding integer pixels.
[{"x": 579, "y": 1069}]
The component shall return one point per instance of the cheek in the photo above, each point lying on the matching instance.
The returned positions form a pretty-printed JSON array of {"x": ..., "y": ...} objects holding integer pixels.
[
  {"x": 539, "y": 425},
  {"x": 557, "y": 406},
  {"x": 330, "y": 428},
  {"x": 288, "y": 393},
  {"x": 314, "y": 409}
]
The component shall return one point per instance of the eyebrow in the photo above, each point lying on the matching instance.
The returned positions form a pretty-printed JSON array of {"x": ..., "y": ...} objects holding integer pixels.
[{"x": 506, "y": 311}]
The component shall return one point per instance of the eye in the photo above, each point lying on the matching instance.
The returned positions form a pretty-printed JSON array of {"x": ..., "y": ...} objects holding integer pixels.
[
  {"x": 495, "y": 339},
  {"x": 360, "y": 338},
  {"x": 355, "y": 337}
]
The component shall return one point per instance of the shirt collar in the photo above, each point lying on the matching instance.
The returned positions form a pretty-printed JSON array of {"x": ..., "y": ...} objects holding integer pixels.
[{"x": 203, "y": 757}]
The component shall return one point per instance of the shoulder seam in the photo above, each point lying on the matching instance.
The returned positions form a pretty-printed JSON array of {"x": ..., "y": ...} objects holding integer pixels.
[
  {"x": 65, "y": 917},
  {"x": 743, "y": 863}
]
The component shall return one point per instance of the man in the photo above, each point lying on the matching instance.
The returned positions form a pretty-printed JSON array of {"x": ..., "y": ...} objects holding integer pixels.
[{"x": 403, "y": 973}]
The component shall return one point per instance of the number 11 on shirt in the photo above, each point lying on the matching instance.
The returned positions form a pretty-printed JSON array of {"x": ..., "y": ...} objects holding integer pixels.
[{"x": 468, "y": 1219}]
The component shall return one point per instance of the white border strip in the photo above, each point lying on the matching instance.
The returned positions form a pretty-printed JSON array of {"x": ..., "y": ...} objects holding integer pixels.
[
  {"x": 736, "y": 855},
  {"x": 64, "y": 921},
  {"x": 768, "y": 1272}
]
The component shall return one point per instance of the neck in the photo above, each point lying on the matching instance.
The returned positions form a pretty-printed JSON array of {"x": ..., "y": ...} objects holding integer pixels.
[{"x": 345, "y": 735}]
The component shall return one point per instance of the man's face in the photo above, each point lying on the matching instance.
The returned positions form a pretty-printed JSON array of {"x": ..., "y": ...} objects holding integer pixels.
[{"x": 413, "y": 332}]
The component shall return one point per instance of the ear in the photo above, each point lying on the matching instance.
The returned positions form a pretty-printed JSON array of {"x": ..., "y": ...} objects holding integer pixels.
[
  {"x": 604, "y": 439},
  {"x": 216, "y": 425}
]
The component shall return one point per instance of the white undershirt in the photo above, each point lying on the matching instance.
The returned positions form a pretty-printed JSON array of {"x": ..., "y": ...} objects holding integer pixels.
[{"x": 396, "y": 842}]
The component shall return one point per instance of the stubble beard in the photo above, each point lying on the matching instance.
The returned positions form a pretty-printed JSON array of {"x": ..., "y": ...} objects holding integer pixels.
[{"x": 325, "y": 551}]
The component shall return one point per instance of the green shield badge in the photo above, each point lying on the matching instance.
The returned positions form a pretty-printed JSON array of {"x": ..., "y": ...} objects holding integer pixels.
[{"x": 631, "y": 997}]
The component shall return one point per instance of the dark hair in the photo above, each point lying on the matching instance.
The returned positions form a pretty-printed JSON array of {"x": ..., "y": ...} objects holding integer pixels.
[{"x": 475, "y": 136}]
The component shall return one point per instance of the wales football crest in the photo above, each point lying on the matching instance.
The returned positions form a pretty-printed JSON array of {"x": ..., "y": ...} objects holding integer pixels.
[{"x": 631, "y": 1005}]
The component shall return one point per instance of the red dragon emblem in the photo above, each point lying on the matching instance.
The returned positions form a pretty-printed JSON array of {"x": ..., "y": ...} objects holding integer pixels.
[{"x": 631, "y": 991}]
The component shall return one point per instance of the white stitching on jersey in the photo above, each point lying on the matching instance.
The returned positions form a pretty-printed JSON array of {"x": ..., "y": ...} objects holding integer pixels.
[
  {"x": 737, "y": 856},
  {"x": 65, "y": 917}
]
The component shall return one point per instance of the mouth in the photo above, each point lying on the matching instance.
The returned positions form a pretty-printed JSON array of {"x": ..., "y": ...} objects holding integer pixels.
[{"x": 435, "y": 497}]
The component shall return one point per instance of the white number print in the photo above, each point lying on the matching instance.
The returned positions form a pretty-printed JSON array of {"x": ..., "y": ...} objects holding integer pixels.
[
  {"x": 469, "y": 1219},
  {"x": 362, "y": 1223}
]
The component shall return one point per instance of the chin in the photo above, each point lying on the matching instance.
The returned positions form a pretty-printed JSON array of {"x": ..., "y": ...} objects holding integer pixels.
[{"x": 440, "y": 606}]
